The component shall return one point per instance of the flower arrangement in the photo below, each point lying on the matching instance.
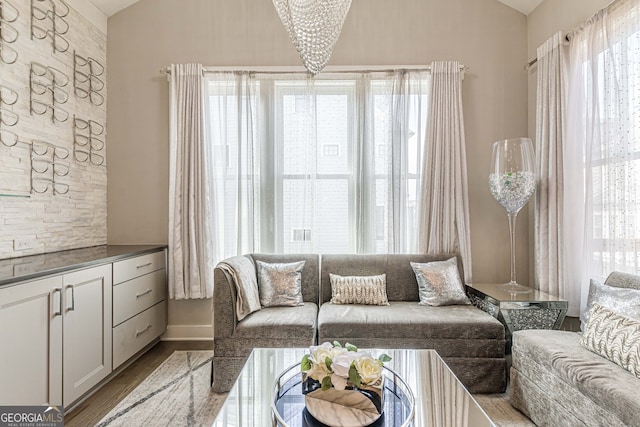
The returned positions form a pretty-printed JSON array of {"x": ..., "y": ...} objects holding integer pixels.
[{"x": 335, "y": 366}]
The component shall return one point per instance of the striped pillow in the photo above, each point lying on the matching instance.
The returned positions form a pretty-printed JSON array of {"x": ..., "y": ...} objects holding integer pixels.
[
  {"x": 365, "y": 290},
  {"x": 613, "y": 336}
]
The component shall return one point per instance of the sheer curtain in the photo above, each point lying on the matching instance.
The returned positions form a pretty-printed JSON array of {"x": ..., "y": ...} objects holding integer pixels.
[
  {"x": 602, "y": 161},
  {"x": 190, "y": 239},
  {"x": 231, "y": 102},
  {"x": 444, "y": 213},
  {"x": 550, "y": 194}
]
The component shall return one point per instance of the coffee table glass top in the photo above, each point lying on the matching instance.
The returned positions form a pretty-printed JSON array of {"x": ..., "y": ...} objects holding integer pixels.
[{"x": 440, "y": 399}]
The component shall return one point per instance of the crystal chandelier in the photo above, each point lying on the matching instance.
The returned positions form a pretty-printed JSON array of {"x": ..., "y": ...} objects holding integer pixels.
[{"x": 314, "y": 27}]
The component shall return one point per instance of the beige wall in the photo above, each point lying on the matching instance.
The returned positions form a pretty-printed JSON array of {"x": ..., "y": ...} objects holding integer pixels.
[{"x": 485, "y": 35}]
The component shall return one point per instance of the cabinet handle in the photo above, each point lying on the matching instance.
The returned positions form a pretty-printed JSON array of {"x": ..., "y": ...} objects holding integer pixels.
[
  {"x": 148, "y": 291},
  {"x": 144, "y": 265},
  {"x": 73, "y": 298},
  {"x": 138, "y": 333},
  {"x": 59, "y": 311}
]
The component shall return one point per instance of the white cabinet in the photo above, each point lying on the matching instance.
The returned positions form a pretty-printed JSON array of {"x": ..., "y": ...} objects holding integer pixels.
[
  {"x": 31, "y": 343},
  {"x": 62, "y": 335},
  {"x": 55, "y": 337},
  {"x": 139, "y": 307},
  {"x": 86, "y": 330}
]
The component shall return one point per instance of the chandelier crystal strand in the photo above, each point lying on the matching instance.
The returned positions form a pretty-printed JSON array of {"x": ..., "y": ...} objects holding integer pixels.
[{"x": 314, "y": 27}]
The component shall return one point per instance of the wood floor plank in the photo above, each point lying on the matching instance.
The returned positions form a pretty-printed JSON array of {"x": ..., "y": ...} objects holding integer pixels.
[{"x": 92, "y": 410}]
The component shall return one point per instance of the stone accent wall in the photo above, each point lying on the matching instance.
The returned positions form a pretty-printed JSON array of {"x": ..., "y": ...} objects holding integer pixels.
[{"x": 33, "y": 222}]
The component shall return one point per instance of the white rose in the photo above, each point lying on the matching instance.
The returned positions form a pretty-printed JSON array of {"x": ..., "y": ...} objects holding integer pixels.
[
  {"x": 319, "y": 353},
  {"x": 342, "y": 362},
  {"x": 370, "y": 369},
  {"x": 339, "y": 383},
  {"x": 318, "y": 371}
]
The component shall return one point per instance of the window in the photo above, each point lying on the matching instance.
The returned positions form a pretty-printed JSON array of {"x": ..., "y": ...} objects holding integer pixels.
[
  {"x": 331, "y": 150},
  {"x": 329, "y": 165}
]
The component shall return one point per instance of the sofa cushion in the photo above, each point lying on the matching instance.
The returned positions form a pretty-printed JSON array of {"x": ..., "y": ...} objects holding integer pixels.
[
  {"x": 623, "y": 280},
  {"x": 407, "y": 320},
  {"x": 401, "y": 280},
  {"x": 279, "y": 322},
  {"x": 556, "y": 358}
]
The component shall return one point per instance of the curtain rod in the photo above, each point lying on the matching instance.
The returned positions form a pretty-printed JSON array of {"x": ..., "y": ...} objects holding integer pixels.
[
  {"x": 327, "y": 70},
  {"x": 531, "y": 63},
  {"x": 570, "y": 34}
]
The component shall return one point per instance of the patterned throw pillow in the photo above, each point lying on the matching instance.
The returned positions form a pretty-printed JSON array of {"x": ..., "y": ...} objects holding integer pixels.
[
  {"x": 613, "y": 336},
  {"x": 280, "y": 285},
  {"x": 366, "y": 290},
  {"x": 439, "y": 283}
]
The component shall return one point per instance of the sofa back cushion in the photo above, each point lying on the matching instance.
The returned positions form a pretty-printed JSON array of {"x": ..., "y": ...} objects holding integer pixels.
[
  {"x": 310, "y": 272},
  {"x": 623, "y": 280},
  {"x": 401, "y": 280}
]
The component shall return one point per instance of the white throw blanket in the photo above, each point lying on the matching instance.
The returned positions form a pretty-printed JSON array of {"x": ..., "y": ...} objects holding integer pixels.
[{"x": 243, "y": 273}]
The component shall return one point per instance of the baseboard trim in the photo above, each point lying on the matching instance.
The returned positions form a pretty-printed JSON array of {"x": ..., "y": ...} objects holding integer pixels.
[{"x": 188, "y": 333}]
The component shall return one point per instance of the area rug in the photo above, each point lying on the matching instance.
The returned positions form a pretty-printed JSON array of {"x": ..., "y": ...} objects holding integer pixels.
[{"x": 177, "y": 394}]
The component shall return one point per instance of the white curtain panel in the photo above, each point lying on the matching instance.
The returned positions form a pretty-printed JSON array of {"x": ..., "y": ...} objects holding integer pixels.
[
  {"x": 190, "y": 243},
  {"x": 444, "y": 213},
  {"x": 550, "y": 140},
  {"x": 601, "y": 161}
]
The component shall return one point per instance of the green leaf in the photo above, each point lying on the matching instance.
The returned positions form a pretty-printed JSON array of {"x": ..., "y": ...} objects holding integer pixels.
[
  {"x": 336, "y": 344},
  {"x": 328, "y": 362},
  {"x": 384, "y": 358},
  {"x": 326, "y": 383},
  {"x": 351, "y": 347},
  {"x": 354, "y": 376},
  {"x": 305, "y": 364}
]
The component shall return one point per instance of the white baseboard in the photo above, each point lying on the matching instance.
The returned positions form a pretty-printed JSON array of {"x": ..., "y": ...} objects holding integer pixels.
[{"x": 188, "y": 333}]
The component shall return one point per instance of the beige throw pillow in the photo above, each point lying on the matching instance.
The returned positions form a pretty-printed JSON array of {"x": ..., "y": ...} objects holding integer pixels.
[
  {"x": 613, "y": 336},
  {"x": 280, "y": 284},
  {"x": 439, "y": 283},
  {"x": 365, "y": 290}
]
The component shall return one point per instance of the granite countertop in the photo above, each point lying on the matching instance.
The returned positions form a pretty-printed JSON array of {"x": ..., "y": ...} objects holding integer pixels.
[{"x": 15, "y": 270}]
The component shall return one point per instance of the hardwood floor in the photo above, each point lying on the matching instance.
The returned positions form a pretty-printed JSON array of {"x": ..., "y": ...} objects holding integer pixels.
[{"x": 92, "y": 410}]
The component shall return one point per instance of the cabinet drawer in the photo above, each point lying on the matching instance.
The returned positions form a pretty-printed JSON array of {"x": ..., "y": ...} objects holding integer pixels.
[
  {"x": 136, "y": 295},
  {"x": 131, "y": 336},
  {"x": 134, "y": 267}
]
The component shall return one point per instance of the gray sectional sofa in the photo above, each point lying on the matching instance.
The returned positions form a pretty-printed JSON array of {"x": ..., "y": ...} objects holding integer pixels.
[
  {"x": 470, "y": 341},
  {"x": 555, "y": 381}
]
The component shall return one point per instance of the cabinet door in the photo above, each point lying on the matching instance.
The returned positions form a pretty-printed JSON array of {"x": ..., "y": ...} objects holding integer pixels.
[
  {"x": 31, "y": 343},
  {"x": 87, "y": 331}
]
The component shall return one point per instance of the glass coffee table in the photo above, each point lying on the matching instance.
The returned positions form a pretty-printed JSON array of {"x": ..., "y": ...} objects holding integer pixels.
[{"x": 440, "y": 398}]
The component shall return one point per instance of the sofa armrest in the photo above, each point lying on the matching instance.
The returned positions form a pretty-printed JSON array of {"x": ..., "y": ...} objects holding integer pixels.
[{"x": 224, "y": 304}]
